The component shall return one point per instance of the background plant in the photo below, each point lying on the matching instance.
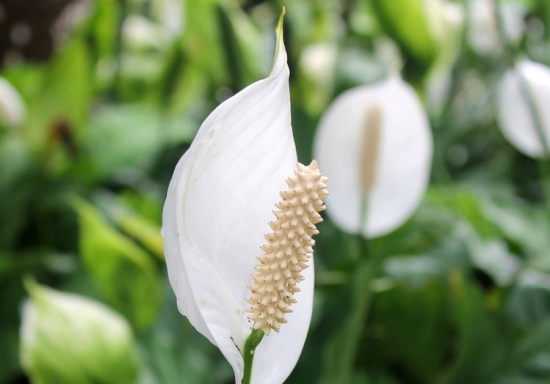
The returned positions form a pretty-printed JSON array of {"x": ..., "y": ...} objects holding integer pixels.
[{"x": 463, "y": 292}]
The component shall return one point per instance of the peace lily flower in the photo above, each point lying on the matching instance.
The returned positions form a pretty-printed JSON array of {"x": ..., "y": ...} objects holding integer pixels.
[
  {"x": 375, "y": 144},
  {"x": 237, "y": 227},
  {"x": 528, "y": 81},
  {"x": 66, "y": 338}
]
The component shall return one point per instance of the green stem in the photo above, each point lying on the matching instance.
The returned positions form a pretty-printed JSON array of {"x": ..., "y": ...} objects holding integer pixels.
[
  {"x": 363, "y": 241},
  {"x": 116, "y": 84},
  {"x": 344, "y": 346},
  {"x": 250, "y": 346},
  {"x": 367, "y": 270}
]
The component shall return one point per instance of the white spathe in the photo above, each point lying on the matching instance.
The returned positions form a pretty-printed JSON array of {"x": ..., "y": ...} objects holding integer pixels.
[
  {"x": 216, "y": 214},
  {"x": 515, "y": 117},
  {"x": 403, "y": 163}
]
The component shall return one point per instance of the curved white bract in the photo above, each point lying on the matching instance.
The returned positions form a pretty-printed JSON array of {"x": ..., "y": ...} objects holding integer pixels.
[
  {"x": 400, "y": 159},
  {"x": 515, "y": 116},
  {"x": 216, "y": 214}
]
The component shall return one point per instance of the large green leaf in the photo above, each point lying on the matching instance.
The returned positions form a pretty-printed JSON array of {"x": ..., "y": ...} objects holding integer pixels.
[
  {"x": 483, "y": 343},
  {"x": 123, "y": 272},
  {"x": 64, "y": 96},
  {"x": 414, "y": 24},
  {"x": 127, "y": 138}
]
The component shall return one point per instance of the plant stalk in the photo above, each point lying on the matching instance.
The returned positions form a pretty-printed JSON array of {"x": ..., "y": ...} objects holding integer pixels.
[{"x": 250, "y": 346}]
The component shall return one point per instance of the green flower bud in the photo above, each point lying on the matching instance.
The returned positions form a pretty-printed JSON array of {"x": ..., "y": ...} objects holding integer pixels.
[{"x": 66, "y": 339}]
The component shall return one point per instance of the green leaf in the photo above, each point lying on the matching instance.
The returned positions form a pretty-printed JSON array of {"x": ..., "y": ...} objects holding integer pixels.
[
  {"x": 202, "y": 40},
  {"x": 139, "y": 227},
  {"x": 103, "y": 27},
  {"x": 406, "y": 331},
  {"x": 121, "y": 270},
  {"x": 529, "y": 301},
  {"x": 64, "y": 96},
  {"x": 242, "y": 44},
  {"x": 534, "y": 351},
  {"x": 127, "y": 137},
  {"x": 414, "y": 24},
  {"x": 484, "y": 343}
]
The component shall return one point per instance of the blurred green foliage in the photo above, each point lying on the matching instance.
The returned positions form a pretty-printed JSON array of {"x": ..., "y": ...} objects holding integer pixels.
[{"x": 459, "y": 294}]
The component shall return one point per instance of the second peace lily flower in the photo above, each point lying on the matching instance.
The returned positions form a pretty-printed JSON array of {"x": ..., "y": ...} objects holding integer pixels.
[
  {"x": 375, "y": 142},
  {"x": 235, "y": 194}
]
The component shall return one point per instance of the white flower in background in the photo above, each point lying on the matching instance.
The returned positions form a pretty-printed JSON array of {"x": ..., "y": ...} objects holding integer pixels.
[
  {"x": 66, "y": 338},
  {"x": 140, "y": 32},
  {"x": 12, "y": 108},
  {"x": 317, "y": 68},
  {"x": 237, "y": 260},
  {"x": 515, "y": 117},
  {"x": 319, "y": 60},
  {"x": 375, "y": 141},
  {"x": 483, "y": 33}
]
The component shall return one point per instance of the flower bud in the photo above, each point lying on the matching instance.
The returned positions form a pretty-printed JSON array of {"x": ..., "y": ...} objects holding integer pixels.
[{"x": 66, "y": 338}]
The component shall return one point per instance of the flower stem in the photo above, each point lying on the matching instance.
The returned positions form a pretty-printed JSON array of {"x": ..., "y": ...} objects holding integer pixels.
[
  {"x": 363, "y": 276},
  {"x": 250, "y": 346},
  {"x": 363, "y": 240}
]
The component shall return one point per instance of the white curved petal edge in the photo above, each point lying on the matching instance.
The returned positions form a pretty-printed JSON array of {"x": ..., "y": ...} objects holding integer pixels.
[
  {"x": 514, "y": 115},
  {"x": 403, "y": 163},
  {"x": 216, "y": 214},
  {"x": 12, "y": 108}
]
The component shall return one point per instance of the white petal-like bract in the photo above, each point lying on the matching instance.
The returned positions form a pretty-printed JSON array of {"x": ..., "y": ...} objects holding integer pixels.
[
  {"x": 400, "y": 158},
  {"x": 216, "y": 214},
  {"x": 515, "y": 117}
]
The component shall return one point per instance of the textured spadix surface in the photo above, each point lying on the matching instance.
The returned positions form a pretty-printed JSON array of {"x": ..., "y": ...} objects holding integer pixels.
[
  {"x": 395, "y": 168},
  {"x": 219, "y": 204},
  {"x": 515, "y": 116},
  {"x": 288, "y": 248}
]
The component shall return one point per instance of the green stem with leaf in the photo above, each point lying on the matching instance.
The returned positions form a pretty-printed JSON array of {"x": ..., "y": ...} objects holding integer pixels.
[{"x": 345, "y": 343}]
